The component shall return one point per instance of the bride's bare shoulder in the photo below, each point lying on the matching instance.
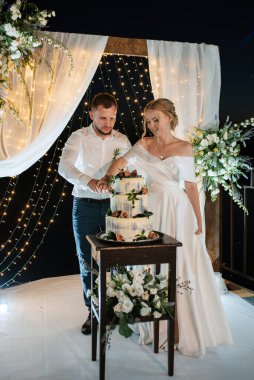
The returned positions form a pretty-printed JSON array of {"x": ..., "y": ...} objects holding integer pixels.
[
  {"x": 145, "y": 142},
  {"x": 184, "y": 148}
]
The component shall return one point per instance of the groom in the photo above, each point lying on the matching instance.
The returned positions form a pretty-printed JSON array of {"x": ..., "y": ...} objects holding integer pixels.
[{"x": 85, "y": 158}]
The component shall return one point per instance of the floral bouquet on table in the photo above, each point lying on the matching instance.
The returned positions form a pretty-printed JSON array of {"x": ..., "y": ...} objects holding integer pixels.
[
  {"x": 218, "y": 160},
  {"x": 133, "y": 294}
]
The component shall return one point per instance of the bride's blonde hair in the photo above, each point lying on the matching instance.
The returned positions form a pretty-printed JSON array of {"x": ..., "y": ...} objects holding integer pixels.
[{"x": 164, "y": 105}]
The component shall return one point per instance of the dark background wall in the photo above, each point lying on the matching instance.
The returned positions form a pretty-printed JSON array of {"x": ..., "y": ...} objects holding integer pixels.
[{"x": 229, "y": 25}]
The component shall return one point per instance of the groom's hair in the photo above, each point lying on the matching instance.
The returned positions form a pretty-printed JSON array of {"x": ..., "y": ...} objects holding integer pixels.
[{"x": 103, "y": 99}]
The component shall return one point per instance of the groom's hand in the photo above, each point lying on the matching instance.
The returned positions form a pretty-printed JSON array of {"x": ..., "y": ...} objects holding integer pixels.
[
  {"x": 92, "y": 184},
  {"x": 102, "y": 185}
]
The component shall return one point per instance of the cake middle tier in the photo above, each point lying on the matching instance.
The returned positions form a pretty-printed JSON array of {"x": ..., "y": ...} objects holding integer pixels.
[{"x": 120, "y": 202}]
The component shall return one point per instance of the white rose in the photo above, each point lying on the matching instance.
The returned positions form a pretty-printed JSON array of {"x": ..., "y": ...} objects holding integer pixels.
[
  {"x": 156, "y": 314},
  {"x": 222, "y": 171},
  {"x": 118, "y": 308},
  {"x": 123, "y": 278},
  {"x": 111, "y": 292},
  {"x": 145, "y": 296},
  {"x": 138, "y": 277},
  {"x": 132, "y": 291},
  {"x": 127, "y": 306},
  {"x": 139, "y": 289},
  {"x": 145, "y": 311},
  {"x": 126, "y": 287},
  {"x": 204, "y": 143},
  {"x": 14, "y": 43},
  {"x": 153, "y": 290},
  {"x": 43, "y": 21},
  {"x": 112, "y": 284},
  {"x": 16, "y": 55},
  {"x": 211, "y": 173},
  {"x": 120, "y": 295}
]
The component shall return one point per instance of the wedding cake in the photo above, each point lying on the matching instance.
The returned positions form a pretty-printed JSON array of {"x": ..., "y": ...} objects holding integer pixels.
[{"x": 128, "y": 218}]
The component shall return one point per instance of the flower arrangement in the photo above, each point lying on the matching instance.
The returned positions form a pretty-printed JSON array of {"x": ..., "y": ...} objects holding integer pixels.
[
  {"x": 218, "y": 160},
  {"x": 20, "y": 36},
  {"x": 133, "y": 294}
]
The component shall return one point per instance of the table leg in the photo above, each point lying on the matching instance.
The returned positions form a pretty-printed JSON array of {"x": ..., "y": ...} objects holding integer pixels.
[
  {"x": 102, "y": 322},
  {"x": 94, "y": 334},
  {"x": 171, "y": 321},
  {"x": 156, "y": 327}
]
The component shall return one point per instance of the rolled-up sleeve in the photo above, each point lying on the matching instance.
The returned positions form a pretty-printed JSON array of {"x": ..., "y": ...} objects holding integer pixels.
[{"x": 69, "y": 157}]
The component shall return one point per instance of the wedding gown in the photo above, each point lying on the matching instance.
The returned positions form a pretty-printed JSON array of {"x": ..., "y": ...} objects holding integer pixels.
[{"x": 201, "y": 319}]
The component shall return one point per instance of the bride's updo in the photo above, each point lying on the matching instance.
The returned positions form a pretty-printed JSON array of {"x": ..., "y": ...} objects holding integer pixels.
[{"x": 166, "y": 106}]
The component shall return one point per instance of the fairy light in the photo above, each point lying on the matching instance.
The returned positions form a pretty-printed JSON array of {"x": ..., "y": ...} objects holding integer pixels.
[
  {"x": 18, "y": 240},
  {"x": 7, "y": 198},
  {"x": 107, "y": 71}
]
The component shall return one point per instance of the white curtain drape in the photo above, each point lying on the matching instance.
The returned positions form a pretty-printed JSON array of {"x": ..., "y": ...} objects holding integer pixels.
[
  {"x": 189, "y": 75},
  {"x": 54, "y": 97}
]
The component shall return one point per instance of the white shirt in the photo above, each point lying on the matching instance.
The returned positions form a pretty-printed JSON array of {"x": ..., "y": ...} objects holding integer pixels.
[{"x": 86, "y": 156}]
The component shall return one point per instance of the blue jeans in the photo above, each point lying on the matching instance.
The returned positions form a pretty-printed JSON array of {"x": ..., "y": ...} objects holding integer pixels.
[{"x": 88, "y": 217}]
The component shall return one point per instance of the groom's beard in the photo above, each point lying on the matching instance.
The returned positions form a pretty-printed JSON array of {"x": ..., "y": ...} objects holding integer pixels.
[{"x": 100, "y": 131}]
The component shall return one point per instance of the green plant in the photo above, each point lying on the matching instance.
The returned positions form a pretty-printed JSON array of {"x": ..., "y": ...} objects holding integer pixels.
[{"x": 218, "y": 160}]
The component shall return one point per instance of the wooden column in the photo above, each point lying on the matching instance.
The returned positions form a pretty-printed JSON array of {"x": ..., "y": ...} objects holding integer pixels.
[{"x": 212, "y": 219}]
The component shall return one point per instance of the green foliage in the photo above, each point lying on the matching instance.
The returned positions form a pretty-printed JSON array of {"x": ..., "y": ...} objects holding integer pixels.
[{"x": 218, "y": 160}]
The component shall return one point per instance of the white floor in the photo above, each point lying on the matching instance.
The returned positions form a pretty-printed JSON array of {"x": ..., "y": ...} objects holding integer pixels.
[{"x": 40, "y": 339}]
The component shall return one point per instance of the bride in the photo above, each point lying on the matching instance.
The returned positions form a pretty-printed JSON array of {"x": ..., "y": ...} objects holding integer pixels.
[{"x": 168, "y": 165}]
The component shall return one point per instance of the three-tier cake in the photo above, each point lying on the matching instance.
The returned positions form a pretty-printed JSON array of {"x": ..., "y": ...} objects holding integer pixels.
[{"x": 128, "y": 218}]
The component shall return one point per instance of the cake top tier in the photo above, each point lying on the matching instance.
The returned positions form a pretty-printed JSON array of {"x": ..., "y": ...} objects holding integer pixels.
[{"x": 125, "y": 182}]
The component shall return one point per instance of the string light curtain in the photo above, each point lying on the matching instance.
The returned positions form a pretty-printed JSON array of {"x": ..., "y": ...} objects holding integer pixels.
[
  {"x": 35, "y": 207},
  {"x": 189, "y": 75},
  {"x": 55, "y": 94}
]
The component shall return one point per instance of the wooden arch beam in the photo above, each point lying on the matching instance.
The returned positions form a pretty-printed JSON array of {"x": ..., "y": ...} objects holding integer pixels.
[{"x": 126, "y": 46}]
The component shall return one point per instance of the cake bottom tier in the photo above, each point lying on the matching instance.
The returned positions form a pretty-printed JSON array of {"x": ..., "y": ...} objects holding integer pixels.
[{"x": 129, "y": 227}]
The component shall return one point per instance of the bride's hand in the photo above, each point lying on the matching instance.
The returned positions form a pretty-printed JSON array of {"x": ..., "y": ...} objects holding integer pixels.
[{"x": 199, "y": 230}]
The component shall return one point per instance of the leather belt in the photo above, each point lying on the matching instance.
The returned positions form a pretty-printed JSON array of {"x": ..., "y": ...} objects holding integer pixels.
[{"x": 93, "y": 200}]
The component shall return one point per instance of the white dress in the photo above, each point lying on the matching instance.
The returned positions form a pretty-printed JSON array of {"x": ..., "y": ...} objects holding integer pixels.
[{"x": 201, "y": 319}]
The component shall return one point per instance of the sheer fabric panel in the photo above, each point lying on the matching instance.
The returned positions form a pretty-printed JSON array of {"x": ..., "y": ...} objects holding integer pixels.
[
  {"x": 189, "y": 75},
  {"x": 54, "y": 97}
]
